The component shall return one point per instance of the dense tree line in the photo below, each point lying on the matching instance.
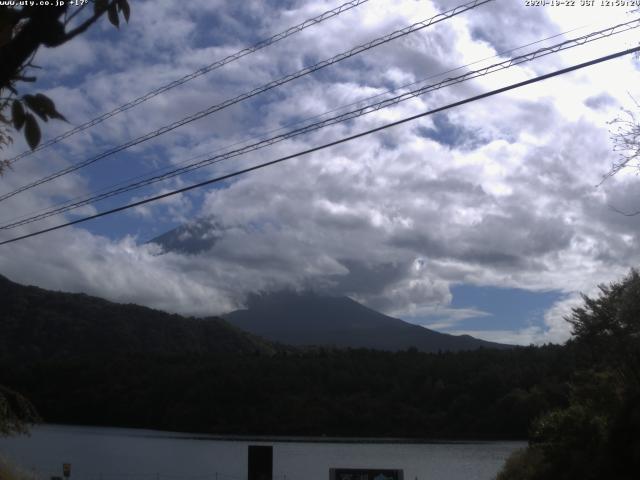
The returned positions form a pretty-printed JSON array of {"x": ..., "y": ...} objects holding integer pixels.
[{"x": 478, "y": 394}]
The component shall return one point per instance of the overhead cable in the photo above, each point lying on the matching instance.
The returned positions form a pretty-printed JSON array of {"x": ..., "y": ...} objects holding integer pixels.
[
  {"x": 260, "y": 136},
  {"x": 358, "y": 112},
  {"x": 271, "y": 85},
  {"x": 327, "y": 145},
  {"x": 180, "y": 81}
]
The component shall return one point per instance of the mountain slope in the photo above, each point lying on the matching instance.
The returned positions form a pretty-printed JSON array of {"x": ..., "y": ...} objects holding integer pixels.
[
  {"x": 41, "y": 324},
  {"x": 309, "y": 319},
  {"x": 191, "y": 238}
]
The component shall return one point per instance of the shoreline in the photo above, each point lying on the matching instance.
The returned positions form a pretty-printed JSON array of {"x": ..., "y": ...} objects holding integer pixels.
[{"x": 151, "y": 433}]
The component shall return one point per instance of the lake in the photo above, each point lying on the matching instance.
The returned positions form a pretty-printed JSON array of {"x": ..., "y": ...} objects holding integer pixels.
[{"x": 98, "y": 453}]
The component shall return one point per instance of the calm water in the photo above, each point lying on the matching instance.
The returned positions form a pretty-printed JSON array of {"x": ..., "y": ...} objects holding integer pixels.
[{"x": 125, "y": 454}]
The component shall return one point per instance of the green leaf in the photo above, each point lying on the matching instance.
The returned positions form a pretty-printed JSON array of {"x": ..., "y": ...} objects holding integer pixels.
[
  {"x": 31, "y": 131},
  {"x": 48, "y": 107},
  {"x": 112, "y": 13},
  {"x": 17, "y": 114},
  {"x": 45, "y": 103},
  {"x": 42, "y": 106},
  {"x": 123, "y": 6},
  {"x": 36, "y": 106}
]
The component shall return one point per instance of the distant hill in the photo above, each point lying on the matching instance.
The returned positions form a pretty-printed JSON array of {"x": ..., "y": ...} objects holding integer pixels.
[
  {"x": 310, "y": 319},
  {"x": 41, "y": 324}
]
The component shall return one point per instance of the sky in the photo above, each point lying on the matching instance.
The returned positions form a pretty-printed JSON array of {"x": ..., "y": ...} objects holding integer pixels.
[{"x": 487, "y": 219}]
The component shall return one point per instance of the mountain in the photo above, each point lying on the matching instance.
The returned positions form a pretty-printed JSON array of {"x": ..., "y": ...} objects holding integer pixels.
[
  {"x": 191, "y": 238},
  {"x": 42, "y": 324},
  {"x": 310, "y": 319}
]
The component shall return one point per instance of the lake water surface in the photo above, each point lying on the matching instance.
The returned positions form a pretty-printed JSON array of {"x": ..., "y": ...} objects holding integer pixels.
[{"x": 126, "y": 454}]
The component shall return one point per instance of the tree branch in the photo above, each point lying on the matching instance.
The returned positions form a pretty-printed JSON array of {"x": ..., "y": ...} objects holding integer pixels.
[
  {"x": 626, "y": 214},
  {"x": 71, "y": 17},
  {"x": 15, "y": 53},
  {"x": 87, "y": 23}
]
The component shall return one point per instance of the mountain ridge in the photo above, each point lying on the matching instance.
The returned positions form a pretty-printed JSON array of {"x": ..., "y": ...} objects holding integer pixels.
[{"x": 340, "y": 322}]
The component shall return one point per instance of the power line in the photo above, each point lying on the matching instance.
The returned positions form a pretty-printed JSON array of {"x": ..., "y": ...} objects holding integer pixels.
[
  {"x": 94, "y": 194},
  {"x": 571, "y": 43},
  {"x": 276, "y": 83},
  {"x": 330, "y": 144},
  {"x": 213, "y": 66}
]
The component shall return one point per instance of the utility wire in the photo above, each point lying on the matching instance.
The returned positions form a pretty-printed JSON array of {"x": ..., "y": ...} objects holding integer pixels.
[
  {"x": 94, "y": 194},
  {"x": 276, "y": 83},
  {"x": 330, "y": 144},
  {"x": 213, "y": 66},
  {"x": 335, "y": 120}
]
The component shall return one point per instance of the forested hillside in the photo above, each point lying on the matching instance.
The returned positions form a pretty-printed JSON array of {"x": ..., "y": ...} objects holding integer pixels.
[{"x": 41, "y": 324}]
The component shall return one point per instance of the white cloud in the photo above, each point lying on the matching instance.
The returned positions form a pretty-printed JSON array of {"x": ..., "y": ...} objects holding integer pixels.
[{"x": 497, "y": 193}]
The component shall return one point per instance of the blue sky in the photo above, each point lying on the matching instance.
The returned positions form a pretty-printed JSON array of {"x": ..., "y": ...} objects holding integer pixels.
[
  {"x": 497, "y": 309},
  {"x": 482, "y": 220},
  {"x": 504, "y": 305}
]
